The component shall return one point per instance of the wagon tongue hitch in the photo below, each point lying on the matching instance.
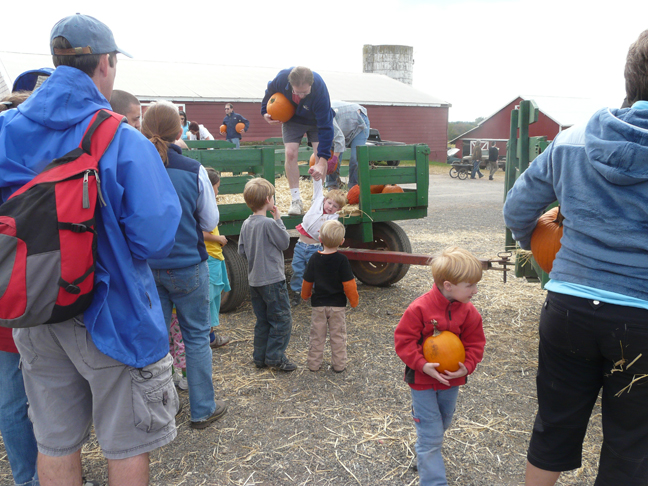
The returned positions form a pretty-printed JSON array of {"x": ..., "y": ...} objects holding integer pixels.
[
  {"x": 503, "y": 260},
  {"x": 500, "y": 263}
]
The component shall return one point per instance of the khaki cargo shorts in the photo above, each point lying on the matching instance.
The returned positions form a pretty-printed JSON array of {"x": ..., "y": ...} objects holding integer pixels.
[{"x": 70, "y": 385}]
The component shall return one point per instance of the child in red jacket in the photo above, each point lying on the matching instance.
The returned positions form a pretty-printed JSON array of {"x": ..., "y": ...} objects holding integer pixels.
[{"x": 434, "y": 395}]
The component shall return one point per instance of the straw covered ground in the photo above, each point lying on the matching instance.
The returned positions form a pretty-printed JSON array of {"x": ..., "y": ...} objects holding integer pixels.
[{"x": 355, "y": 428}]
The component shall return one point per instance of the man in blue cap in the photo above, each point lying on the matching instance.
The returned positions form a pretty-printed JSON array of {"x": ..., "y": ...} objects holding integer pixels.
[{"x": 109, "y": 365}]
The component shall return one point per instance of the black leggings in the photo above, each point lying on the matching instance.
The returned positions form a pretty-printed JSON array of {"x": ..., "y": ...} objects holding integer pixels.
[{"x": 580, "y": 340}]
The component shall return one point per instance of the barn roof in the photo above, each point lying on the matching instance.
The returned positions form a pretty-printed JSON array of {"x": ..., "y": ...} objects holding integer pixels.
[
  {"x": 183, "y": 81},
  {"x": 565, "y": 111}
]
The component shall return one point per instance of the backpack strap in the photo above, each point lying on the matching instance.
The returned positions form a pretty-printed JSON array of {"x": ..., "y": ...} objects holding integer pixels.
[
  {"x": 96, "y": 142},
  {"x": 98, "y": 136}
]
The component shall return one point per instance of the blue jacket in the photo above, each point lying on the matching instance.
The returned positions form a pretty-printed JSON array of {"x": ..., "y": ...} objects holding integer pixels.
[
  {"x": 230, "y": 121},
  {"x": 599, "y": 174},
  {"x": 314, "y": 109},
  {"x": 139, "y": 221},
  {"x": 189, "y": 248}
]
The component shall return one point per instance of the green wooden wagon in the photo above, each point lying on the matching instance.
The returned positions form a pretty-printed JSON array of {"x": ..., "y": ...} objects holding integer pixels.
[{"x": 373, "y": 229}]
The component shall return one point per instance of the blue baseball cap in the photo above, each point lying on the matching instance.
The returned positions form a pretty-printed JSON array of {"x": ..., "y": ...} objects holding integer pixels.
[
  {"x": 86, "y": 34},
  {"x": 30, "y": 80}
]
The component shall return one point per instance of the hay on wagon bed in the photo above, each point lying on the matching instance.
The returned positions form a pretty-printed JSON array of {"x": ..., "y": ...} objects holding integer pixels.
[{"x": 282, "y": 194}]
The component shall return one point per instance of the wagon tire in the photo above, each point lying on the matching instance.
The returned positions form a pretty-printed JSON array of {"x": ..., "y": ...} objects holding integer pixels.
[
  {"x": 387, "y": 236},
  {"x": 462, "y": 174},
  {"x": 454, "y": 173},
  {"x": 237, "y": 273}
]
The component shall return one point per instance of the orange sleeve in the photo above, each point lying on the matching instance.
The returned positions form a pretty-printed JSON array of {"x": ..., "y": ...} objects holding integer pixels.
[
  {"x": 351, "y": 291},
  {"x": 307, "y": 289}
]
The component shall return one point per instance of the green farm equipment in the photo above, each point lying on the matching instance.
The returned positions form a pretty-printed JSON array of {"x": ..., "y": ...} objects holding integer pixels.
[
  {"x": 520, "y": 152},
  {"x": 372, "y": 229}
]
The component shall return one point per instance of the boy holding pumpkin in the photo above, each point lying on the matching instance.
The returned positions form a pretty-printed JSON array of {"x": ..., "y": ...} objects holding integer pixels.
[{"x": 446, "y": 307}]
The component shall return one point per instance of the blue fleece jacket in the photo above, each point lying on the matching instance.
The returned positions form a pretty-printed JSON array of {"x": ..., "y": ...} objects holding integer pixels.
[
  {"x": 139, "y": 220},
  {"x": 314, "y": 109},
  {"x": 599, "y": 174},
  {"x": 189, "y": 248},
  {"x": 230, "y": 121}
]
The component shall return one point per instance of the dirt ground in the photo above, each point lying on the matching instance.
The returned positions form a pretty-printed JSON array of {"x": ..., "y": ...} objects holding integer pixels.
[{"x": 355, "y": 428}]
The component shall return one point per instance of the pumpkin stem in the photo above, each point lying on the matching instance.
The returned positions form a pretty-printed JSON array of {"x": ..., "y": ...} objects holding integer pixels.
[{"x": 436, "y": 331}]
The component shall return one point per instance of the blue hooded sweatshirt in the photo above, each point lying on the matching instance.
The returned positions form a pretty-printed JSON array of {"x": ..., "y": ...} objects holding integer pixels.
[
  {"x": 599, "y": 174},
  {"x": 139, "y": 221},
  {"x": 314, "y": 109}
]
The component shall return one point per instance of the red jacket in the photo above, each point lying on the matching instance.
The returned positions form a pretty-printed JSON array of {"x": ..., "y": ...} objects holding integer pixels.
[
  {"x": 6, "y": 340},
  {"x": 416, "y": 325}
]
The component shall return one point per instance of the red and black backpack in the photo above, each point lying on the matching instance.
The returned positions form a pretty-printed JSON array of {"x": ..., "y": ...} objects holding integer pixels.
[{"x": 48, "y": 241}]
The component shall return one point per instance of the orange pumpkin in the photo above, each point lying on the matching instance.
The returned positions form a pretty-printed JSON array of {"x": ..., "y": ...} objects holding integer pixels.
[
  {"x": 223, "y": 128},
  {"x": 240, "y": 127},
  {"x": 545, "y": 240},
  {"x": 445, "y": 348},
  {"x": 353, "y": 196},
  {"x": 280, "y": 108},
  {"x": 392, "y": 188}
]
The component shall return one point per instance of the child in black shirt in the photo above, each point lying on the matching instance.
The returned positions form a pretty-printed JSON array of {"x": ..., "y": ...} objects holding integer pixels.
[{"x": 329, "y": 279}]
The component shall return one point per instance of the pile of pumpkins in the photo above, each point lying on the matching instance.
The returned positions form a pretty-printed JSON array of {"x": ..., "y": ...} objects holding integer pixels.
[{"x": 353, "y": 196}]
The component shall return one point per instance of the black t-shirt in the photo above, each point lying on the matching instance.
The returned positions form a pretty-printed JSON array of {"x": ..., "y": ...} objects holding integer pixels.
[{"x": 327, "y": 272}]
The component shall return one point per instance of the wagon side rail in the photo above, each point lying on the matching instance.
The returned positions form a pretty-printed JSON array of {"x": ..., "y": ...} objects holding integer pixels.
[{"x": 412, "y": 203}]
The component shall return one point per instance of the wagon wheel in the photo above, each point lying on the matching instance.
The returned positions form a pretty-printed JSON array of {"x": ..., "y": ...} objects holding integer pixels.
[
  {"x": 463, "y": 174},
  {"x": 237, "y": 274},
  {"x": 453, "y": 172},
  {"x": 387, "y": 236}
]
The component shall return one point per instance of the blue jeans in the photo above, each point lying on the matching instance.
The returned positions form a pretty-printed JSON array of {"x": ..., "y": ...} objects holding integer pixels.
[
  {"x": 359, "y": 139},
  {"x": 432, "y": 412},
  {"x": 475, "y": 169},
  {"x": 274, "y": 323},
  {"x": 188, "y": 289},
  {"x": 16, "y": 428},
  {"x": 303, "y": 252},
  {"x": 235, "y": 141}
]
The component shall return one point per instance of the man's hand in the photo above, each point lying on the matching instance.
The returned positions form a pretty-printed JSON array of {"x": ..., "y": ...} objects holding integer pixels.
[
  {"x": 318, "y": 171},
  {"x": 269, "y": 119}
]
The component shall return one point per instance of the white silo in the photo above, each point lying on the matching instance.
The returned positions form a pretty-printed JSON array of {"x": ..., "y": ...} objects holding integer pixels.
[{"x": 397, "y": 62}]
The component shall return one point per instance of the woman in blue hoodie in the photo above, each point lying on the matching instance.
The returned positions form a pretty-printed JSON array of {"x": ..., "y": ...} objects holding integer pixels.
[{"x": 594, "y": 322}]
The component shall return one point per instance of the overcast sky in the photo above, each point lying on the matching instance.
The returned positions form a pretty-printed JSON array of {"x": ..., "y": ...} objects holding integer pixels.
[{"x": 476, "y": 55}]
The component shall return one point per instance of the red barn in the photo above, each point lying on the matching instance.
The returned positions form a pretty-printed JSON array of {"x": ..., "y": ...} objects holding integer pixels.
[
  {"x": 556, "y": 114},
  {"x": 400, "y": 112}
]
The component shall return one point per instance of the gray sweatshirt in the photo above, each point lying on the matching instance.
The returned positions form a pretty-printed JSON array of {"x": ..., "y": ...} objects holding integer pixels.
[{"x": 262, "y": 241}]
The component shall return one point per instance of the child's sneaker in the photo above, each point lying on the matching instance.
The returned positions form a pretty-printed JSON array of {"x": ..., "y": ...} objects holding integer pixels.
[
  {"x": 216, "y": 340},
  {"x": 295, "y": 300},
  {"x": 182, "y": 383}
]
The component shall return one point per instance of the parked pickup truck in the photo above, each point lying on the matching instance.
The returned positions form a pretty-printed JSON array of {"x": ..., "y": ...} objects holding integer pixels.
[{"x": 374, "y": 139}]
